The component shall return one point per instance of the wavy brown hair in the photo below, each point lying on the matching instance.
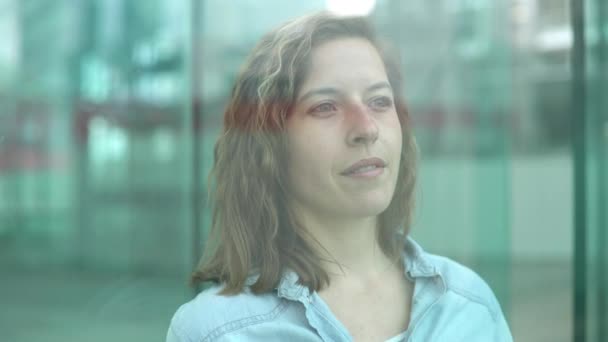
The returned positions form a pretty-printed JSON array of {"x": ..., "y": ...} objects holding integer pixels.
[{"x": 253, "y": 230}]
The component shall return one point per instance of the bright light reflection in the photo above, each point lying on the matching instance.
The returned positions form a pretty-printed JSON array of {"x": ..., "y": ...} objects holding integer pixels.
[{"x": 350, "y": 7}]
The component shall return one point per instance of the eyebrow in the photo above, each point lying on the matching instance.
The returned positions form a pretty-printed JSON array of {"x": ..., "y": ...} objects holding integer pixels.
[
  {"x": 334, "y": 91},
  {"x": 319, "y": 91},
  {"x": 378, "y": 86}
]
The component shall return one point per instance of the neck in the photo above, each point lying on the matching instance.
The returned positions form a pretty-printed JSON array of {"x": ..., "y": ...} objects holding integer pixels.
[{"x": 348, "y": 247}]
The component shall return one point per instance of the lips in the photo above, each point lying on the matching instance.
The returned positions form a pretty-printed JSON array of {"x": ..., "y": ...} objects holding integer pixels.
[{"x": 364, "y": 165}]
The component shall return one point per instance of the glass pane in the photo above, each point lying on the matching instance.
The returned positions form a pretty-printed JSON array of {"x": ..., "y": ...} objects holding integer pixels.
[
  {"x": 107, "y": 134},
  {"x": 489, "y": 85},
  {"x": 459, "y": 84},
  {"x": 94, "y": 168},
  {"x": 596, "y": 154}
]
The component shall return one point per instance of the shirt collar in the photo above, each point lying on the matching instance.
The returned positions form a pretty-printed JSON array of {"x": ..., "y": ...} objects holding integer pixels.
[
  {"x": 416, "y": 261},
  {"x": 288, "y": 286}
]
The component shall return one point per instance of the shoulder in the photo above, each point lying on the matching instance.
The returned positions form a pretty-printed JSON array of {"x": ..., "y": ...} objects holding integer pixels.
[
  {"x": 468, "y": 302},
  {"x": 210, "y": 315},
  {"x": 465, "y": 282}
]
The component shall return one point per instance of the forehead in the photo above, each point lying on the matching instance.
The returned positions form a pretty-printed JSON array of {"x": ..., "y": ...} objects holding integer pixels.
[{"x": 343, "y": 61}]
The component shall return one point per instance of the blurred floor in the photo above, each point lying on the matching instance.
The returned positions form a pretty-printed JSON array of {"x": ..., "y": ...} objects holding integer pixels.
[
  {"x": 87, "y": 307},
  {"x": 541, "y": 302},
  {"x": 92, "y": 307}
]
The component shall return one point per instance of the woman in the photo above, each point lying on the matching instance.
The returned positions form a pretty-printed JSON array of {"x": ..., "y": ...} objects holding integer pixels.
[{"x": 313, "y": 189}]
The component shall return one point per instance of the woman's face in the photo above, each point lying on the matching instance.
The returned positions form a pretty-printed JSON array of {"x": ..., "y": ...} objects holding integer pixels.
[{"x": 344, "y": 135}]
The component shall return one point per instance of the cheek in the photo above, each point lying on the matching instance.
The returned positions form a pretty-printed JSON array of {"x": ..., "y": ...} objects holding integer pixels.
[
  {"x": 394, "y": 133},
  {"x": 302, "y": 153},
  {"x": 399, "y": 138},
  {"x": 297, "y": 158},
  {"x": 309, "y": 156}
]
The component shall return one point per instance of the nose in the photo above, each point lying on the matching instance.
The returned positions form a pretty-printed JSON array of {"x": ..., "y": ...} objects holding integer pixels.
[{"x": 363, "y": 128}]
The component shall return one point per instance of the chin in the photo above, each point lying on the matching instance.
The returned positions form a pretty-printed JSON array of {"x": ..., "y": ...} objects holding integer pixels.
[{"x": 370, "y": 208}]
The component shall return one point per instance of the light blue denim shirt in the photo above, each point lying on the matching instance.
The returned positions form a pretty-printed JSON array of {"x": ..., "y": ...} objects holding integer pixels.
[{"x": 450, "y": 303}]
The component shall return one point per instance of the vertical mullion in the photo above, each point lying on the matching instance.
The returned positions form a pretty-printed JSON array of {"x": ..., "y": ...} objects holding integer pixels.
[
  {"x": 580, "y": 185},
  {"x": 598, "y": 125},
  {"x": 197, "y": 128}
]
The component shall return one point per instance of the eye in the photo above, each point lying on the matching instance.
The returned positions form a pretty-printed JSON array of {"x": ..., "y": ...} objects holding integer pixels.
[
  {"x": 381, "y": 103},
  {"x": 323, "y": 109}
]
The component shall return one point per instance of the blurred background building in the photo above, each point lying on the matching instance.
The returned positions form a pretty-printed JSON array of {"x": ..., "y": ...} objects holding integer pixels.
[{"x": 109, "y": 110}]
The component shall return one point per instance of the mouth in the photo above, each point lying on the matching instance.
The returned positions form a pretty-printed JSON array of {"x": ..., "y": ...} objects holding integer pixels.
[{"x": 365, "y": 167}]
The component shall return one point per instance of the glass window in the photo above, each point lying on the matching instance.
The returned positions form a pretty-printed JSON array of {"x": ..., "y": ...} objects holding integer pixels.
[{"x": 110, "y": 110}]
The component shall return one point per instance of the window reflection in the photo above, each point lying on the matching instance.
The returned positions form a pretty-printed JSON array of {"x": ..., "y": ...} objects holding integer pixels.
[{"x": 98, "y": 126}]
